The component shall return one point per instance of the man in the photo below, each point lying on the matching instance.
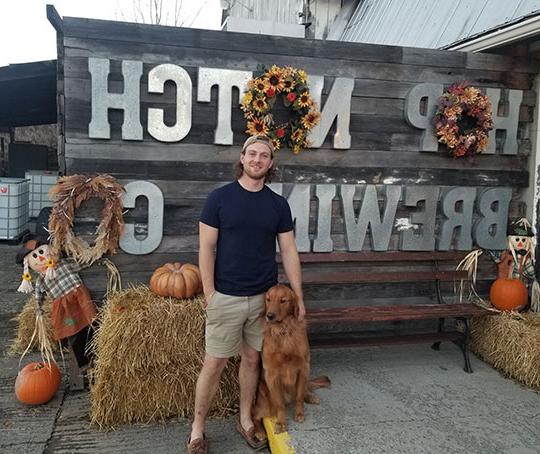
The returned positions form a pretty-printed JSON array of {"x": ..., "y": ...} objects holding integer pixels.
[{"x": 241, "y": 222}]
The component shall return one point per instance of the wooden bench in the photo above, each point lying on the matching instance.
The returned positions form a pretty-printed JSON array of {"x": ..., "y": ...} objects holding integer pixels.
[{"x": 388, "y": 268}]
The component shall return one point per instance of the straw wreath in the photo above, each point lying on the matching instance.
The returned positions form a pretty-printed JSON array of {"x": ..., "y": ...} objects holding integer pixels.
[{"x": 68, "y": 194}]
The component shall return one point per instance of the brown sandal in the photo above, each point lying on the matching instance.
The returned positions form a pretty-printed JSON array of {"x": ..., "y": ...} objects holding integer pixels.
[
  {"x": 197, "y": 446},
  {"x": 251, "y": 437}
]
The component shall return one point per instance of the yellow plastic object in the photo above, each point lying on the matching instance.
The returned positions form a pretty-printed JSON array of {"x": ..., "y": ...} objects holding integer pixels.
[{"x": 279, "y": 443}]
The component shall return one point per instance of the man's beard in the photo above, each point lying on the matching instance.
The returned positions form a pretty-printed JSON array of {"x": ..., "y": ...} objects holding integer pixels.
[{"x": 248, "y": 172}]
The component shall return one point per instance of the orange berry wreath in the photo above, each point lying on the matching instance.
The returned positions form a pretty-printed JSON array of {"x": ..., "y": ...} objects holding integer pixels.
[
  {"x": 260, "y": 97},
  {"x": 463, "y": 120}
]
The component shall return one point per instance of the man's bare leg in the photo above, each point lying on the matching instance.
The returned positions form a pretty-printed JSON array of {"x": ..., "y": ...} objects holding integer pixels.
[
  {"x": 248, "y": 378},
  {"x": 207, "y": 385}
]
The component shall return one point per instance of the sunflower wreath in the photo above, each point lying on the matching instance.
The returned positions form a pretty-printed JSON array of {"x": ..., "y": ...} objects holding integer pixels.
[
  {"x": 260, "y": 97},
  {"x": 463, "y": 120},
  {"x": 68, "y": 194}
]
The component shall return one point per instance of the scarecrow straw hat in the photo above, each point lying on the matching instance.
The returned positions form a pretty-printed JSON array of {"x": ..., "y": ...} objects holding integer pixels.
[{"x": 149, "y": 352}]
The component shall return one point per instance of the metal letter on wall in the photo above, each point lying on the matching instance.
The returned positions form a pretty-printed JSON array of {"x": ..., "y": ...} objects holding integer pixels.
[
  {"x": 338, "y": 104},
  {"x": 128, "y": 242},
  {"x": 490, "y": 231},
  {"x": 508, "y": 123},
  {"x": 276, "y": 187},
  {"x": 457, "y": 205},
  {"x": 226, "y": 80},
  {"x": 431, "y": 92},
  {"x": 424, "y": 239},
  {"x": 156, "y": 83},
  {"x": 370, "y": 214},
  {"x": 299, "y": 199},
  {"x": 102, "y": 100},
  {"x": 324, "y": 193}
]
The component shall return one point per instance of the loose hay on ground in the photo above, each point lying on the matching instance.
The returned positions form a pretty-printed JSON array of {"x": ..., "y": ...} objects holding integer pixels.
[
  {"x": 26, "y": 323},
  {"x": 511, "y": 343},
  {"x": 149, "y": 351}
]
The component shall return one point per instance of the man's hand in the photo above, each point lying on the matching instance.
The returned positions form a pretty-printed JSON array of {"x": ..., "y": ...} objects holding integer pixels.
[
  {"x": 300, "y": 310},
  {"x": 207, "y": 297},
  {"x": 207, "y": 243}
]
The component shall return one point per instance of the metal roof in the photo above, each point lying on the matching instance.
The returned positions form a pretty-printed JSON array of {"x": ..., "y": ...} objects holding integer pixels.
[
  {"x": 28, "y": 94},
  {"x": 431, "y": 23}
]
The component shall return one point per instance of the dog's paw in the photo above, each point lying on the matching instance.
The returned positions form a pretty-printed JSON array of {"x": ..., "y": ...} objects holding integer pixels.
[
  {"x": 281, "y": 427},
  {"x": 299, "y": 417},
  {"x": 261, "y": 435}
]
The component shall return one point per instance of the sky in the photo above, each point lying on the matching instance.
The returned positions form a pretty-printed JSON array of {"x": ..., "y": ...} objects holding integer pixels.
[{"x": 26, "y": 35}]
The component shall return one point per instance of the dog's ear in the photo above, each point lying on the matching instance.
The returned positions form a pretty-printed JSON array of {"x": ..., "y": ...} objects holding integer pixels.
[{"x": 294, "y": 302}]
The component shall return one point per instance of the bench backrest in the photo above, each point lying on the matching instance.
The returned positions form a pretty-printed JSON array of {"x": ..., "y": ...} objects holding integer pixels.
[{"x": 392, "y": 266}]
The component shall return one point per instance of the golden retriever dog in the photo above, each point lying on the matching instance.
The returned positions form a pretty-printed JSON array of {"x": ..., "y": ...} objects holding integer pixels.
[{"x": 285, "y": 360}]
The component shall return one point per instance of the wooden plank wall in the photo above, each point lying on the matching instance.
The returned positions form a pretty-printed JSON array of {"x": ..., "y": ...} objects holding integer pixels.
[{"x": 384, "y": 148}]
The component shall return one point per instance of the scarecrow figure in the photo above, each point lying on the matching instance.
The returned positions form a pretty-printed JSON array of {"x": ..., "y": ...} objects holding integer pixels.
[
  {"x": 520, "y": 246},
  {"x": 73, "y": 310},
  {"x": 519, "y": 255},
  {"x": 516, "y": 261}
]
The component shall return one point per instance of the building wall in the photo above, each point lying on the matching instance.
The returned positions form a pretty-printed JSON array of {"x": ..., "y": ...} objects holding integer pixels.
[
  {"x": 529, "y": 48},
  {"x": 323, "y": 15},
  {"x": 37, "y": 135},
  {"x": 280, "y": 11},
  {"x": 385, "y": 150},
  {"x": 4, "y": 141},
  {"x": 267, "y": 27},
  {"x": 318, "y": 19}
]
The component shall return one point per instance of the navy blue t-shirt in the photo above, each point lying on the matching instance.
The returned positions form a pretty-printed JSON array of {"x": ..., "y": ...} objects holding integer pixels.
[{"x": 248, "y": 224}]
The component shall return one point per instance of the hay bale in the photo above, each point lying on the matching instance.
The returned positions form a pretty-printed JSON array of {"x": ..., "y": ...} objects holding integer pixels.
[
  {"x": 26, "y": 323},
  {"x": 149, "y": 352},
  {"x": 511, "y": 343}
]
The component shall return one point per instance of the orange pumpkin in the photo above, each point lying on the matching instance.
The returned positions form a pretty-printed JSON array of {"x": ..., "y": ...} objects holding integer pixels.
[
  {"x": 508, "y": 294},
  {"x": 37, "y": 383},
  {"x": 176, "y": 279}
]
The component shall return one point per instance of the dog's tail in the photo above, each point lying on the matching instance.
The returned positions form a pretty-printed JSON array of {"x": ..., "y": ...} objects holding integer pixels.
[{"x": 320, "y": 382}]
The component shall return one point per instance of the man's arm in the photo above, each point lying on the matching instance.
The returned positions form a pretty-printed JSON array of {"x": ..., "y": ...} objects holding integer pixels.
[
  {"x": 291, "y": 264},
  {"x": 207, "y": 243}
]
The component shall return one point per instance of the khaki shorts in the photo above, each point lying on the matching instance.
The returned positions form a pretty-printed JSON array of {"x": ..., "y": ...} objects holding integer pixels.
[{"x": 231, "y": 320}]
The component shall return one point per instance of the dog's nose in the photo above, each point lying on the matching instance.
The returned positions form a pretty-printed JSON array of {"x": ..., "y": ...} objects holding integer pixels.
[{"x": 270, "y": 316}]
